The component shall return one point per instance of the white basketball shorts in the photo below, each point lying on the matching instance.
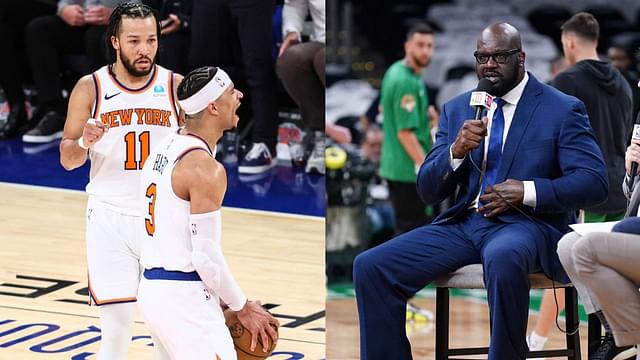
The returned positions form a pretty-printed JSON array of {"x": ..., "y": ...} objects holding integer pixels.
[
  {"x": 186, "y": 319},
  {"x": 113, "y": 251}
]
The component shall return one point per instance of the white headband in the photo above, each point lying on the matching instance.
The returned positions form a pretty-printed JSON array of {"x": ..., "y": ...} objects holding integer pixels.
[{"x": 209, "y": 93}]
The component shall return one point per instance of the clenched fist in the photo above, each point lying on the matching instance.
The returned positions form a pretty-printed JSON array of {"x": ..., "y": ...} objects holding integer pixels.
[{"x": 93, "y": 131}]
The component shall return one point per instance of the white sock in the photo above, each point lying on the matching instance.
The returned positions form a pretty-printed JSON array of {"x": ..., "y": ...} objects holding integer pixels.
[
  {"x": 116, "y": 321},
  {"x": 638, "y": 352},
  {"x": 536, "y": 342}
]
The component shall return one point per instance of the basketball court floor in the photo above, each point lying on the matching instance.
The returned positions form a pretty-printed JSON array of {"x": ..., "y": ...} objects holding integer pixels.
[
  {"x": 273, "y": 238},
  {"x": 469, "y": 327}
]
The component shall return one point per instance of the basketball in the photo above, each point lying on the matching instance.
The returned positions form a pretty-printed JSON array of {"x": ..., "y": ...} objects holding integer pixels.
[{"x": 242, "y": 339}]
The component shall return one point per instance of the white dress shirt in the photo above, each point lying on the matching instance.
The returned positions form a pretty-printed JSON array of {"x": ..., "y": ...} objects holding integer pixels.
[
  {"x": 508, "y": 109},
  {"x": 295, "y": 12}
]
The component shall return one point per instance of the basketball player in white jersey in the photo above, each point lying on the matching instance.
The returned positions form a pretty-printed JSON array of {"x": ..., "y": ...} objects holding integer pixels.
[
  {"x": 185, "y": 270},
  {"x": 132, "y": 102}
]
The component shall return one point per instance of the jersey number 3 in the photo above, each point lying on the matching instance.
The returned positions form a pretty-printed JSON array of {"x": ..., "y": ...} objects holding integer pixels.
[
  {"x": 150, "y": 223},
  {"x": 130, "y": 162}
]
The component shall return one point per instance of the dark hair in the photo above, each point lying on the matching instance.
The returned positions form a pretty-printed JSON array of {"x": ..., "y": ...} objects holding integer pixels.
[
  {"x": 195, "y": 80},
  {"x": 419, "y": 28},
  {"x": 584, "y": 25},
  {"x": 131, "y": 11}
]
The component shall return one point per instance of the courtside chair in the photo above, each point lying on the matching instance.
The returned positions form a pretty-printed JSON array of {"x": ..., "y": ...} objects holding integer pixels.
[{"x": 470, "y": 277}]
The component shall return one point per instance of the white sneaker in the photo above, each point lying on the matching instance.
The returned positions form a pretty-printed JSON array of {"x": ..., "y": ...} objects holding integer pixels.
[
  {"x": 315, "y": 163},
  {"x": 257, "y": 160},
  {"x": 628, "y": 354}
]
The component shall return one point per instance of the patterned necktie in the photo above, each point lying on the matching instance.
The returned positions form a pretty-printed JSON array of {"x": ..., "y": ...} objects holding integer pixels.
[{"x": 494, "y": 151}]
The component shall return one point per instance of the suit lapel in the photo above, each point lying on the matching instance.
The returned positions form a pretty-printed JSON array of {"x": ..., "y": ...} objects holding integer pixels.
[{"x": 524, "y": 113}]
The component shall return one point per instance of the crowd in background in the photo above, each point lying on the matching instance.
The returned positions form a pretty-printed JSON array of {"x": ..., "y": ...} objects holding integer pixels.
[{"x": 274, "y": 51}]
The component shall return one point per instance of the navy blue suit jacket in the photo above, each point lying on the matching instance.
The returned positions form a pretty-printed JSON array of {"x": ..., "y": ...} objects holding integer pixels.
[{"x": 550, "y": 142}]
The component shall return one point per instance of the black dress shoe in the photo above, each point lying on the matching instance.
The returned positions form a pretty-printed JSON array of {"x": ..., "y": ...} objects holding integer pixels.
[
  {"x": 609, "y": 351},
  {"x": 16, "y": 119}
]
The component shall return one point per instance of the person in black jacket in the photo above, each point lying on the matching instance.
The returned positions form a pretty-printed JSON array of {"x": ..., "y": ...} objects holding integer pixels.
[
  {"x": 175, "y": 21},
  {"x": 237, "y": 36},
  {"x": 608, "y": 99},
  {"x": 14, "y": 68},
  {"x": 621, "y": 57}
]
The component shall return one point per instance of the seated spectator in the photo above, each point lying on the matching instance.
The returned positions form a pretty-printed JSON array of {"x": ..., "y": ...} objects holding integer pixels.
[
  {"x": 237, "y": 36},
  {"x": 300, "y": 65},
  {"x": 379, "y": 208},
  {"x": 372, "y": 144},
  {"x": 337, "y": 133},
  {"x": 622, "y": 59},
  {"x": 589, "y": 272},
  {"x": 14, "y": 16},
  {"x": 606, "y": 265},
  {"x": 175, "y": 23},
  {"x": 78, "y": 28}
]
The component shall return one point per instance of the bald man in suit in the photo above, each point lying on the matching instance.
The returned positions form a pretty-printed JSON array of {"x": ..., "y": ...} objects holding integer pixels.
[{"x": 534, "y": 151}]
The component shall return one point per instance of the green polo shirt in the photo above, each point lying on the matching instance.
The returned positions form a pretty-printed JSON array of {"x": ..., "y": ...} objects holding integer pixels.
[{"x": 404, "y": 106}]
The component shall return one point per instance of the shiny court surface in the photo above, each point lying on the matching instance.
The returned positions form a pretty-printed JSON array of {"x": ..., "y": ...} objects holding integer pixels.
[
  {"x": 284, "y": 188},
  {"x": 276, "y": 258}
]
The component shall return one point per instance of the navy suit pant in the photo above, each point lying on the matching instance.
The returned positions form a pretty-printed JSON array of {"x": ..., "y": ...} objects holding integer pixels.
[
  {"x": 630, "y": 225},
  {"x": 388, "y": 275}
]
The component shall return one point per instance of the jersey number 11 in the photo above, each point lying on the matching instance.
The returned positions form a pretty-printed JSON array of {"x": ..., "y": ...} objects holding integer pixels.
[{"x": 130, "y": 162}]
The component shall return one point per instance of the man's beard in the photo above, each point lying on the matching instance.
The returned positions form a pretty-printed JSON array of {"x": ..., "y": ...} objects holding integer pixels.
[
  {"x": 131, "y": 68},
  {"x": 417, "y": 61}
]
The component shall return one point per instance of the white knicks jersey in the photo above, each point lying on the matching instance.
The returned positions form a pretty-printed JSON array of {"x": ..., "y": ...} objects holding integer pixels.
[
  {"x": 166, "y": 240},
  {"x": 138, "y": 120}
]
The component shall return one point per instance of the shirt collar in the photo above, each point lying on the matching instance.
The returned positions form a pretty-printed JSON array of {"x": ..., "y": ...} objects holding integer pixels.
[{"x": 513, "y": 96}]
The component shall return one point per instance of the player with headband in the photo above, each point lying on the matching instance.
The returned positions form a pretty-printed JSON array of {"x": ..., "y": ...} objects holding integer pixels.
[{"x": 185, "y": 270}]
